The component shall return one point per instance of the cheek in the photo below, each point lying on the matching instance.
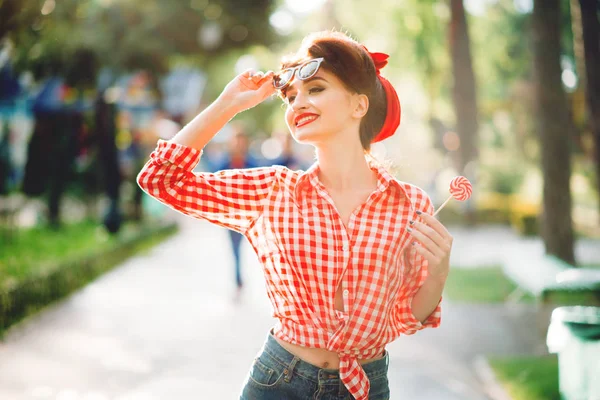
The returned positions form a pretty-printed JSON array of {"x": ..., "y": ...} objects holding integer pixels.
[{"x": 289, "y": 118}]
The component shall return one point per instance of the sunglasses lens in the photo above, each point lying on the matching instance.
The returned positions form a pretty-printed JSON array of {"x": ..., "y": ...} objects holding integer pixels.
[
  {"x": 309, "y": 69},
  {"x": 283, "y": 78}
]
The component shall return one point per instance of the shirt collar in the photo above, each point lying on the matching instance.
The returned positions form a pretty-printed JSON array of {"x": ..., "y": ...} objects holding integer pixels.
[
  {"x": 384, "y": 178},
  {"x": 308, "y": 176}
]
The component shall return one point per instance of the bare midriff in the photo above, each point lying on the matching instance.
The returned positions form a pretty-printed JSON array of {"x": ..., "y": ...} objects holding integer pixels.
[{"x": 321, "y": 358}]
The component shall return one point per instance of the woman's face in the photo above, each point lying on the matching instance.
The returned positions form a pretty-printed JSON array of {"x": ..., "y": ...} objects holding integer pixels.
[{"x": 319, "y": 108}]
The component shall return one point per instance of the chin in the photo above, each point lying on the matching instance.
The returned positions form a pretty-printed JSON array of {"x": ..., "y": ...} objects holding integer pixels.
[
  {"x": 306, "y": 137},
  {"x": 307, "y": 134}
]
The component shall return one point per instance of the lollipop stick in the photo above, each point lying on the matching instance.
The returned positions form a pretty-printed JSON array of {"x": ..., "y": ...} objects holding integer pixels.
[{"x": 442, "y": 206}]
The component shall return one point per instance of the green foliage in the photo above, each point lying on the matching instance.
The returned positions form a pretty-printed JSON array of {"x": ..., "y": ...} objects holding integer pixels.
[
  {"x": 589, "y": 296},
  {"x": 34, "y": 251},
  {"x": 156, "y": 35},
  {"x": 15, "y": 14},
  {"x": 41, "y": 265},
  {"x": 29, "y": 251},
  {"x": 528, "y": 378},
  {"x": 506, "y": 181},
  {"x": 479, "y": 285},
  {"x": 501, "y": 52},
  {"x": 130, "y": 35}
]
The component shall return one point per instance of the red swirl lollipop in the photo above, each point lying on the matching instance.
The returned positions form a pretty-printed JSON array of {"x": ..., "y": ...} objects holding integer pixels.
[{"x": 460, "y": 189}]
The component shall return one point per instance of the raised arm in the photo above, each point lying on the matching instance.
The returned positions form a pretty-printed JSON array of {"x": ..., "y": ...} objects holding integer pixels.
[
  {"x": 243, "y": 92},
  {"x": 232, "y": 198}
]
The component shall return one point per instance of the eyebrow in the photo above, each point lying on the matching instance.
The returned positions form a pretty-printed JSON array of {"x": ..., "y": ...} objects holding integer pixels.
[{"x": 306, "y": 81}]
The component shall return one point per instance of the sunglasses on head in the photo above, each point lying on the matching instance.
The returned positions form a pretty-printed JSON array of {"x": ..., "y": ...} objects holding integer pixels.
[{"x": 303, "y": 72}]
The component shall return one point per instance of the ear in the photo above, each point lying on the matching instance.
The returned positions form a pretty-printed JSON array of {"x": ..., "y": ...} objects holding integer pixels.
[{"x": 361, "y": 106}]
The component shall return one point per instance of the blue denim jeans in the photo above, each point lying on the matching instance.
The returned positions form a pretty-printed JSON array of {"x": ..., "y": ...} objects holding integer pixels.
[
  {"x": 276, "y": 374},
  {"x": 236, "y": 243}
]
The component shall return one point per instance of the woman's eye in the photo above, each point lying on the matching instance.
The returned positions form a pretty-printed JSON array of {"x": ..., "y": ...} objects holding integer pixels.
[{"x": 290, "y": 99}]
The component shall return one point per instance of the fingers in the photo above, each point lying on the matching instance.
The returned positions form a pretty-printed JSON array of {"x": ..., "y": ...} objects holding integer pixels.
[
  {"x": 269, "y": 75},
  {"x": 257, "y": 76},
  {"x": 428, "y": 255},
  {"x": 435, "y": 224},
  {"x": 256, "y": 79},
  {"x": 429, "y": 239},
  {"x": 264, "y": 78},
  {"x": 432, "y": 235},
  {"x": 266, "y": 87}
]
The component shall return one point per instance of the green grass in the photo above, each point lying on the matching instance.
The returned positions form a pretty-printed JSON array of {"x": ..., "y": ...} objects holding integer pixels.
[
  {"x": 28, "y": 252},
  {"x": 41, "y": 265},
  {"x": 528, "y": 378},
  {"x": 479, "y": 285}
]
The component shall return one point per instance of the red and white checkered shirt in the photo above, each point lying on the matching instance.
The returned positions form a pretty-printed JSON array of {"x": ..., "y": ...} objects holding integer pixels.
[{"x": 306, "y": 252}]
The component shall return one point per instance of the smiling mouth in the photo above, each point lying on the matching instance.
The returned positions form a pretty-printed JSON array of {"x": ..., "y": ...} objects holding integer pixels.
[{"x": 306, "y": 120}]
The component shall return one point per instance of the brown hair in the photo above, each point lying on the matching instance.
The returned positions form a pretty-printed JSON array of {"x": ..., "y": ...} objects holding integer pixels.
[{"x": 351, "y": 64}]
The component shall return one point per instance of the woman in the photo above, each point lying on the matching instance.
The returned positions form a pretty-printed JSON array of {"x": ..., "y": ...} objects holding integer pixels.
[
  {"x": 352, "y": 257},
  {"x": 238, "y": 156}
]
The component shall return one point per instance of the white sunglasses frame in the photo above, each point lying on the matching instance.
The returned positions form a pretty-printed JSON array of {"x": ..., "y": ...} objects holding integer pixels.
[{"x": 295, "y": 72}]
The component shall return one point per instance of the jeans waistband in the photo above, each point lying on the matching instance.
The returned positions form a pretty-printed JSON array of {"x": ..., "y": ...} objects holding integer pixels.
[{"x": 309, "y": 371}]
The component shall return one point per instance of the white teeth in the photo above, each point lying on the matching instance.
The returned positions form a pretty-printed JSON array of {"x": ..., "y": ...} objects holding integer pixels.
[{"x": 306, "y": 119}]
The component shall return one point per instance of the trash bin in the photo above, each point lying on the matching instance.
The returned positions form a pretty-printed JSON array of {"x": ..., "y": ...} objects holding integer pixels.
[{"x": 574, "y": 335}]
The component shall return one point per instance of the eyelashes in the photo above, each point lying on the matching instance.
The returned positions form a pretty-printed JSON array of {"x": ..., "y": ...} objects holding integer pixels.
[{"x": 313, "y": 90}]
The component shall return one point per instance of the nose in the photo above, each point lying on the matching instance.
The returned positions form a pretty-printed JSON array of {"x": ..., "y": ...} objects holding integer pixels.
[{"x": 300, "y": 101}]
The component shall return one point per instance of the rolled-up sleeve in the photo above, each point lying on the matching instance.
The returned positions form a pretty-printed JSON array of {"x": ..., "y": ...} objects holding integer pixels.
[{"x": 231, "y": 198}]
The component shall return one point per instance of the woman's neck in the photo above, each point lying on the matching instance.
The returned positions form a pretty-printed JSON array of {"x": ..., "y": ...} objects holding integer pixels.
[{"x": 345, "y": 168}]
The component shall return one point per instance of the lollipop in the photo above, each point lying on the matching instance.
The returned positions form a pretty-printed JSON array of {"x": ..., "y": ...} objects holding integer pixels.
[{"x": 460, "y": 189}]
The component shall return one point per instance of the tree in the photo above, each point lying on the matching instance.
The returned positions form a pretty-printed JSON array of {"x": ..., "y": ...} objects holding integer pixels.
[
  {"x": 14, "y": 14},
  {"x": 132, "y": 34},
  {"x": 591, "y": 48},
  {"x": 553, "y": 125},
  {"x": 464, "y": 90}
]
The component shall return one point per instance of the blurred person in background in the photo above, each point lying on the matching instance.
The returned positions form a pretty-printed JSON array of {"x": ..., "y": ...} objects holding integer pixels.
[
  {"x": 352, "y": 257},
  {"x": 237, "y": 157},
  {"x": 289, "y": 157}
]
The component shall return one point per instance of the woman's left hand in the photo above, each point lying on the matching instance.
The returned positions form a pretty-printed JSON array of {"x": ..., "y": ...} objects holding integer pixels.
[{"x": 436, "y": 244}]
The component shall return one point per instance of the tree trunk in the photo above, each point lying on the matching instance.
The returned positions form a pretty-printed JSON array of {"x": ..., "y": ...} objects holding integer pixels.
[
  {"x": 464, "y": 96},
  {"x": 591, "y": 46},
  {"x": 553, "y": 127}
]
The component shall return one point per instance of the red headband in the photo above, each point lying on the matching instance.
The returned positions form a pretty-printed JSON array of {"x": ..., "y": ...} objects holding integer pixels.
[{"x": 392, "y": 117}]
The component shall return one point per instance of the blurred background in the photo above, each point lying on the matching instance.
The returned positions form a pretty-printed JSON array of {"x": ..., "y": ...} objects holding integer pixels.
[{"x": 505, "y": 92}]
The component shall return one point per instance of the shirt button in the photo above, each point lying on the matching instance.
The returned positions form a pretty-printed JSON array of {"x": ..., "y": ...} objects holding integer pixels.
[
  {"x": 346, "y": 292},
  {"x": 345, "y": 247}
]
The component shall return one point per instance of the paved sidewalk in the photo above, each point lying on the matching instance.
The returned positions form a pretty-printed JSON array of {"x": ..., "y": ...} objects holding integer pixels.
[
  {"x": 494, "y": 245},
  {"x": 167, "y": 325}
]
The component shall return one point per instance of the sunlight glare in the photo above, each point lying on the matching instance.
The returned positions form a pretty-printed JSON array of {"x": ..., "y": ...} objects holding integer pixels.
[
  {"x": 48, "y": 7},
  {"x": 523, "y": 6},
  {"x": 282, "y": 21},
  {"x": 478, "y": 8},
  {"x": 304, "y": 6},
  {"x": 245, "y": 62},
  {"x": 569, "y": 79}
]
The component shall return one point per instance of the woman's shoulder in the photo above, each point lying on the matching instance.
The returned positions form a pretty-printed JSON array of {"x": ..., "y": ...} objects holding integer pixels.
[
  {"x": 411, "y": 189},
  {"x": 286, "y": 174},
  {"x": 417, "y": 196}
]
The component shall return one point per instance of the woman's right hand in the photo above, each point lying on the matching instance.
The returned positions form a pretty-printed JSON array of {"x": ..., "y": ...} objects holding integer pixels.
[{"x": 248, "y": 89}]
